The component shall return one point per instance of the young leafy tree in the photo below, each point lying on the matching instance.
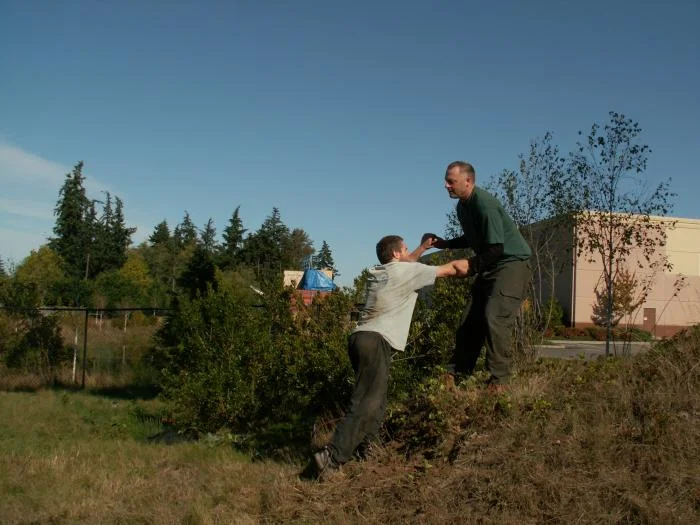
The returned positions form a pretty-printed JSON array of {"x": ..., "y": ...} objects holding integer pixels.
[
  {"x": 537, "y": 198},
  {"x": 139, "y": 282},
  {"x": 626, "y": 299},
  {"x": 614, "y": 207},
  {"x": 324, "y": 259},
  {"x": 233, "y": 241},
  {"x": 73, "y": 230},
  {"x": 43, "y": 269}
]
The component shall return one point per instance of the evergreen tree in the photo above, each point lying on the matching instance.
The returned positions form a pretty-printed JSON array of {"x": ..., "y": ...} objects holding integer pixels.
[
  {"x": 73, "y": 231},
  {"x": 99, "y": 254},
  {"x": 324, "y": 259},
  {"x": 298, "y": 248},
  {"x": 119, "y": 237},
  {"x": 233, "y": 241},
  {"x": 160, "y": 235},
  {"x": 264, "y": 248},
  {"x": 199, "y": 273},
  {"x": 185, "y": 233},
  {"x": 208, "y": 238}
]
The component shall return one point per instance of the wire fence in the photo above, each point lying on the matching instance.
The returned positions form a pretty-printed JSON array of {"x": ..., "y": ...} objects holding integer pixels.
[{"x": 100, "y": 340}]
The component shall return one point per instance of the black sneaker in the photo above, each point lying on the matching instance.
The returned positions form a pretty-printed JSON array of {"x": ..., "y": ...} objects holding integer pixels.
[{"x": 326, "y": 467}]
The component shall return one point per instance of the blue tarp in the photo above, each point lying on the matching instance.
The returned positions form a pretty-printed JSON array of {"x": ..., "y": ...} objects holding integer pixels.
[{"x": 316, "y": 280}]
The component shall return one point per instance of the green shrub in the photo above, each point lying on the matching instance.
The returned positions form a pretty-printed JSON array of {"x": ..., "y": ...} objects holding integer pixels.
[
  {"x": 37, "y": 345},
  {"x": 227, "y": 363}
]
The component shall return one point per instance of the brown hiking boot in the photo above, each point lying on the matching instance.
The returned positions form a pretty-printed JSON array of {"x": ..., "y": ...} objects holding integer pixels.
[{"x": 494, "y": 387}]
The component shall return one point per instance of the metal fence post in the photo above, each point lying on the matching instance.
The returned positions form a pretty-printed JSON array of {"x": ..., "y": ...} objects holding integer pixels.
[{"x": 85, "y": 347}]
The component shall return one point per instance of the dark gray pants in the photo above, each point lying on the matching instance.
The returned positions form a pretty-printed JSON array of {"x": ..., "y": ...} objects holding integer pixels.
[
  {"x": 370, "y": 356},
  {"x": 490, "y": 316}
]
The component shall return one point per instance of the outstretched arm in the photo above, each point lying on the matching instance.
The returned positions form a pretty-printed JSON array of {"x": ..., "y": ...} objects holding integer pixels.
[
  {"x": 442, "y": 244},
  {"x": 426, "y": 243},
  {"x": 458, "y": 268}
]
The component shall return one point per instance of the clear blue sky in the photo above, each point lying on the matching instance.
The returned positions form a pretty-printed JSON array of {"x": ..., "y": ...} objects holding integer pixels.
[{"x": 342, "y": 115}]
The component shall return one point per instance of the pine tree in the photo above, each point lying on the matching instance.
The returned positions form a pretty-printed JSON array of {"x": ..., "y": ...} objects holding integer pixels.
[
  {"x": 119, "y": 236},
  {"x": 160, "y": 235},
  {"x": 199, "y": 273},
  {"x": 73, "y": 231},
  {"x": 324, "y": 259},
  {"x": 186, "y": 232},
  {"x": 264, "y": 248},
  {"x": 207, "y": 238},
  {"x": 233, "y": 241}
]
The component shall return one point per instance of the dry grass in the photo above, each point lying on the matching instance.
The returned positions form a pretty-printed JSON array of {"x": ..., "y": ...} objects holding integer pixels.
[{"x": 614, "y": 441}]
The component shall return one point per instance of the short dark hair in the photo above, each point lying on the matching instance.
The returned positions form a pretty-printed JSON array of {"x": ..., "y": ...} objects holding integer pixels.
[
  {"x": 464, "y": 167},
  {"x": 387, "y": 246}
]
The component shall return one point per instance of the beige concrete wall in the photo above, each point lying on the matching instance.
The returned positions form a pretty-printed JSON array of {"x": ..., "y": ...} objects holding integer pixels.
[{"x": 673, "y": 306}]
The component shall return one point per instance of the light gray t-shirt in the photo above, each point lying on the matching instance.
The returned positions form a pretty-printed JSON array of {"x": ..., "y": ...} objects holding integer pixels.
[{"x": 392, "y": 290}]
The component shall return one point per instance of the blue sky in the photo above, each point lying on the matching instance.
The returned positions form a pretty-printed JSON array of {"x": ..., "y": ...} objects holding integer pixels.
[{"x": 342, "y": 115}]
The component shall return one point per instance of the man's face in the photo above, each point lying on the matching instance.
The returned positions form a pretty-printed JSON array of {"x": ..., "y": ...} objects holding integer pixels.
[{"x": 458, "y": 184}]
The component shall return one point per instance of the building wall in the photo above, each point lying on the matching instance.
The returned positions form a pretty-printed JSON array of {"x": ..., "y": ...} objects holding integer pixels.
[{"x": 674, "y": 298}]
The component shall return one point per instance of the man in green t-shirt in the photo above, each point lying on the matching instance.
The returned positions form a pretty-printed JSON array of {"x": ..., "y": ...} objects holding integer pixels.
[{"x": 502, "y": 268}]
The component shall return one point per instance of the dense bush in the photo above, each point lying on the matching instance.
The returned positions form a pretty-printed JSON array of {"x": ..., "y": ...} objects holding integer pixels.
[
  {"x": 32, "y": 342},
  {"x": 227, "y": 362}
]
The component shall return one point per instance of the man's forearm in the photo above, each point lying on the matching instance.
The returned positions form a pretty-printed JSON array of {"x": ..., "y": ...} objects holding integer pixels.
[{"x": 456, "y": 243}]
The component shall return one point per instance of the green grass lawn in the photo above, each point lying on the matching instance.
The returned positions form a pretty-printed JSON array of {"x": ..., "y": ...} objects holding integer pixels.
[{"x": 68, "y": 457}]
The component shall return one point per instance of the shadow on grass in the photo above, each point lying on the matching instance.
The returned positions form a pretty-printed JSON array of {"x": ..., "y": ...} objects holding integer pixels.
[{"x": 132, "y": 392}]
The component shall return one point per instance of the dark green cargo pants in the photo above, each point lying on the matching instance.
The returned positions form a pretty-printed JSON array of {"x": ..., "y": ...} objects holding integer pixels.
[
  {"x": 370, "y": 356},
  {"x": 489, "y": 318}
]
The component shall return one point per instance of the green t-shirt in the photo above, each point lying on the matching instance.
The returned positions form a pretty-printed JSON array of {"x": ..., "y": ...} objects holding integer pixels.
[{"x": 484, "y": 222}]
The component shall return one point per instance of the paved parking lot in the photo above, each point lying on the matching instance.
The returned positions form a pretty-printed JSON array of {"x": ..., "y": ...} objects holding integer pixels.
[{"x": 588, "y": 349}]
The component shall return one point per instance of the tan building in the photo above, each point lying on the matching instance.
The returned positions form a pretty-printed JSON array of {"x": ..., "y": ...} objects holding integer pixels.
[{"x": 673, "y": 300}]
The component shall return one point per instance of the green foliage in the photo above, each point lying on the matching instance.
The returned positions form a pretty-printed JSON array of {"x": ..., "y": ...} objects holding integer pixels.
[
  {"x": 88, "y": 244},
  {"x": 324, "y": 259},
  {"x": 129, "y": 286},
  {"x": 431, "y": 338},
  {"x": 185, "y": 233},
  {"x": 552, "y": 315},
  {"x": 160, "y": 235},
  {"x": 34, "y": 343},
  {"x": 264, "y": 249},
  {"x": 207, "y": 238},
  {"x": 614, "y": 207},
  {"x": 233, "y": 241},
  {"x": 43, "y": 268},
  {"x": 625, "y": 299},
  {"x": 199, "y": 273},
  {"x": 226, "y": 363},
  {"x": 73, "y": 232}
]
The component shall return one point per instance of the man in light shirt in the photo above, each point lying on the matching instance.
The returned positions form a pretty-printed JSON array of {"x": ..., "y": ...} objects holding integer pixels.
[{"x": 383, "y": 327}]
